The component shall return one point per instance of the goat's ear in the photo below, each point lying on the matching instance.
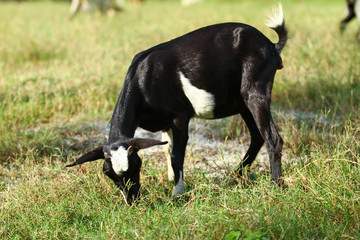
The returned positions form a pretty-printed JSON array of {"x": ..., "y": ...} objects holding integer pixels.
[
  {"x": 93, "y": 155},
  {"x": 141, "y": 143}
]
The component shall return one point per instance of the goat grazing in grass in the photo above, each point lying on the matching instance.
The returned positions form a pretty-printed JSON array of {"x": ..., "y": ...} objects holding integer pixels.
[
  {"x": 91, "y": 5},
  {"x": 213, "y": 72},
  {"x": 353, "y": 10}
]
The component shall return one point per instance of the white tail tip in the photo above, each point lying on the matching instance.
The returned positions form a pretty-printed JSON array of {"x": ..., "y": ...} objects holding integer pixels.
[{"x": 277, "y": 17}]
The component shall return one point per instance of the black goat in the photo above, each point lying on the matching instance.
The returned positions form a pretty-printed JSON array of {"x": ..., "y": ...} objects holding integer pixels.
[
  {"x": 213, "y": 72},
  {"x": 353, "y": 10}
]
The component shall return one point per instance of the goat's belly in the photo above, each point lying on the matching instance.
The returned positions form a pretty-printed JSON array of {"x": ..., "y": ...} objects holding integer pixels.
[{"x": 154, "y": 122}]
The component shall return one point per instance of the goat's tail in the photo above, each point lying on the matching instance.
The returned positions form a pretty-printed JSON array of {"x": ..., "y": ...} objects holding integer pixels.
[{"x": 277, "y": 23}]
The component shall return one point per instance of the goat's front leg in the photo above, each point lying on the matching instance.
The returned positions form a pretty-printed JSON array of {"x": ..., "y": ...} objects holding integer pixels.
[
  {"x": 167, "y": 136},
  {"x": 180, "y": 138}
]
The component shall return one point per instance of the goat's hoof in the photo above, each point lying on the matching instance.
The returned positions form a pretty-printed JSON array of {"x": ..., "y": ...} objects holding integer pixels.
[
  {"x": 178, "y": 192},
  {"x": 180, "y": 199}
]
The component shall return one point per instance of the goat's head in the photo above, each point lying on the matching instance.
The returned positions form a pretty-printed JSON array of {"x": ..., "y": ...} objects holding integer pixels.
[{"x": 122, "y": 163}]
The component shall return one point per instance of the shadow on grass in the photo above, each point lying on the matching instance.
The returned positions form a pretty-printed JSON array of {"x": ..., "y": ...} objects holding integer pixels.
[{"x": 318, "y": 92}]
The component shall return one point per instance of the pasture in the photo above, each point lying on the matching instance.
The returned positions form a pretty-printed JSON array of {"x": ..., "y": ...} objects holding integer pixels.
[{"x": 59, "y": 82}]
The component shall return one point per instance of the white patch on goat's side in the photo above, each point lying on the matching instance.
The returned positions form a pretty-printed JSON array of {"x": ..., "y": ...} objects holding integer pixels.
[
  {"x": 168, "y": 136},
  {"x": 277, "y": 17},
  {"x": 202, "y": 101},
  {"x": 119, "y": 160}
]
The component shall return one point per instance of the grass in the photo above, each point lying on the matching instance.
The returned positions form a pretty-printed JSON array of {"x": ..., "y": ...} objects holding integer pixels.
[{"x": 59, "y": 82}]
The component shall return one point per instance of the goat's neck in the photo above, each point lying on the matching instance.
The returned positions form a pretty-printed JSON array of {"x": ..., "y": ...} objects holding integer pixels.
[{"x": 125, "y": 118}]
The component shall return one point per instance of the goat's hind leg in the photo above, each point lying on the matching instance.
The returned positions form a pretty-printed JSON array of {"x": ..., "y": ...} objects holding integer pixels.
[
  {"x": 259, "y": 106},
  {"x": 258, "y": 101},
  {"x": 256, "y": 141}
]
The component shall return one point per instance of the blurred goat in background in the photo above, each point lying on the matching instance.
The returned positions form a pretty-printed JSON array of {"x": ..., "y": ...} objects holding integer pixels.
[
  {"x": 105, "y": 6},
  {"x": 189, "y": 2},
  {"x": 353, "y": 7}
]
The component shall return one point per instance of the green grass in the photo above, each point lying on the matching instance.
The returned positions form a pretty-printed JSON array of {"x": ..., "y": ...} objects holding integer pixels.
[{"x": 59, "y": 82}]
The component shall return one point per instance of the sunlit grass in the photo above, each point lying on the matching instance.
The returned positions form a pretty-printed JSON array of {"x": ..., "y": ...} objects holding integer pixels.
[{"x": 59, "y": 82}]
